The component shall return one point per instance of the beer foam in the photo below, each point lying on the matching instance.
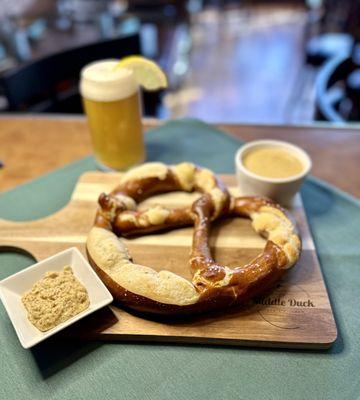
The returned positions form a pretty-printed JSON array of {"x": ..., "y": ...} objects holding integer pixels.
[{"x": 101, "y": 81}]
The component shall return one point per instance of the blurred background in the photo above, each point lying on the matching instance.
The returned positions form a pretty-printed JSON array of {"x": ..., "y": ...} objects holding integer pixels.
[{"x": 278, "y": 62}]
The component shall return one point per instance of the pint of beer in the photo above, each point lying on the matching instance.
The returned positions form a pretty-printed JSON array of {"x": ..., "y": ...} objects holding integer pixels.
[{"x": 112, "y": 104}]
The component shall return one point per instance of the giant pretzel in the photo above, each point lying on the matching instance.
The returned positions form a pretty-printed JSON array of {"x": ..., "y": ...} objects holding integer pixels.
[{"x": 213, "y": 286}]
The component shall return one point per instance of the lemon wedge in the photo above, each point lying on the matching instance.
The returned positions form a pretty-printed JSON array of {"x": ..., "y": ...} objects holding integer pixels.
[{"x": 147, "y": 73}]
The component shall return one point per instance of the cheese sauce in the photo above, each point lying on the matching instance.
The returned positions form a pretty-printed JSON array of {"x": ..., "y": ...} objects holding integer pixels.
[{"x": 273, "y": 162}]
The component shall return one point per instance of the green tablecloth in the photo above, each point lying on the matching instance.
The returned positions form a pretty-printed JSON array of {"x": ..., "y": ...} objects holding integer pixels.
[{"x": 92, "y": 370}]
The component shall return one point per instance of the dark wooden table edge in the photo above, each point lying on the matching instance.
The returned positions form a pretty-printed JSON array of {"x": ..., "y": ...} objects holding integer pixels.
[{"x": 150, "y": 122}]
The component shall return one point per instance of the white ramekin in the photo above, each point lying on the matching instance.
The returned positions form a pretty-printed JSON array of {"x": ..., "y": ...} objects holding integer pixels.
[{"x": 282, "y": 190}]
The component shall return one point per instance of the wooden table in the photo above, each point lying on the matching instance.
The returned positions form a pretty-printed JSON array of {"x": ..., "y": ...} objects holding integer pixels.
[{"x": 33, "y": 145}]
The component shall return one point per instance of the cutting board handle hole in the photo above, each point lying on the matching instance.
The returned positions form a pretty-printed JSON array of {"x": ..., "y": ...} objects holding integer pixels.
[{"x": 18, "y": 250}]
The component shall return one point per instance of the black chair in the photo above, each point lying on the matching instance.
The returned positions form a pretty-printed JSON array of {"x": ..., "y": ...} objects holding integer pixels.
[
  {"x": 51, "y": 83},
  {"x": 337, "y": 91}
]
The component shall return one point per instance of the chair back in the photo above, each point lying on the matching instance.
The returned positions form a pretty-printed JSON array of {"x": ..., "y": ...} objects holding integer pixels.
[
  {"x": 47, "y": 84},
  {"x": 330, "y": 89}
]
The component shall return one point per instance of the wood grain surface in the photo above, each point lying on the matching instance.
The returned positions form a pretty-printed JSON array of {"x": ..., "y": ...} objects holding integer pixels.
[
  {"x": 34, "y": 145},
  {"x": 296, "y": 313}
]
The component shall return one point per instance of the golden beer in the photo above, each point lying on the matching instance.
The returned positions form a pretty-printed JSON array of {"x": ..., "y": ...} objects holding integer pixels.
[{"x": 112, "y": 105}]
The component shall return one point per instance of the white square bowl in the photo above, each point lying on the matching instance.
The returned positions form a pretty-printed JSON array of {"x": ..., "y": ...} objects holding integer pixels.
[{"x": 13, "y": 287}]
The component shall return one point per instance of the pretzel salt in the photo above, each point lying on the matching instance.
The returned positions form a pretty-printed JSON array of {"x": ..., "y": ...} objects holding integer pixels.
[{"x": 213, "y": 286}]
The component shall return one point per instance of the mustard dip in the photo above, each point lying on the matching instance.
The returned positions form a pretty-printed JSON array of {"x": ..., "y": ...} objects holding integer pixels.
[
  {"x": 272, "y": 162},
  {"x": 54, "y": 299}
]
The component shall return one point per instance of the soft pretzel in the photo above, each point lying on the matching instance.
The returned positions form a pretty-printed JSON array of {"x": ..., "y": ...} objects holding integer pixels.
[
  {"x": 118, "y": 211},
  {"x": 213, "y": 286}
]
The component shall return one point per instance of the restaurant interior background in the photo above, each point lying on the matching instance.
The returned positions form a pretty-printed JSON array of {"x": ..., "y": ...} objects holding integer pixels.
[{"x": 238, "y": 61}]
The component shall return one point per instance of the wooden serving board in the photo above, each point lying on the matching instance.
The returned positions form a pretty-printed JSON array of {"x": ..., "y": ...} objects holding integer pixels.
[{"x": 297, "y": 313}]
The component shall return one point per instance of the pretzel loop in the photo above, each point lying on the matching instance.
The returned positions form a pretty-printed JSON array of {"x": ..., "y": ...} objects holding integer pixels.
[{"x": 213, "y": 286}]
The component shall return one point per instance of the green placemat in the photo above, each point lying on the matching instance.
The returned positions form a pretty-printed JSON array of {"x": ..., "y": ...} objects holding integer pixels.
[{"x": 93, "y": 370}]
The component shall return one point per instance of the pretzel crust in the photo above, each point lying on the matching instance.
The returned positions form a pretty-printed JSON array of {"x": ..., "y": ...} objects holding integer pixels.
[{"x": 213, "y": 286}]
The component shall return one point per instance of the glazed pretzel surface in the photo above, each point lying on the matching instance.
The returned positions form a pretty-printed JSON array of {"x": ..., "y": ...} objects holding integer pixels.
[{"x": 213, "y": 286}]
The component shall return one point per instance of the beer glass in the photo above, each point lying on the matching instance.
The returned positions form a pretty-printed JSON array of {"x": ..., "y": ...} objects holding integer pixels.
[{"x": 111, "y": 101}]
